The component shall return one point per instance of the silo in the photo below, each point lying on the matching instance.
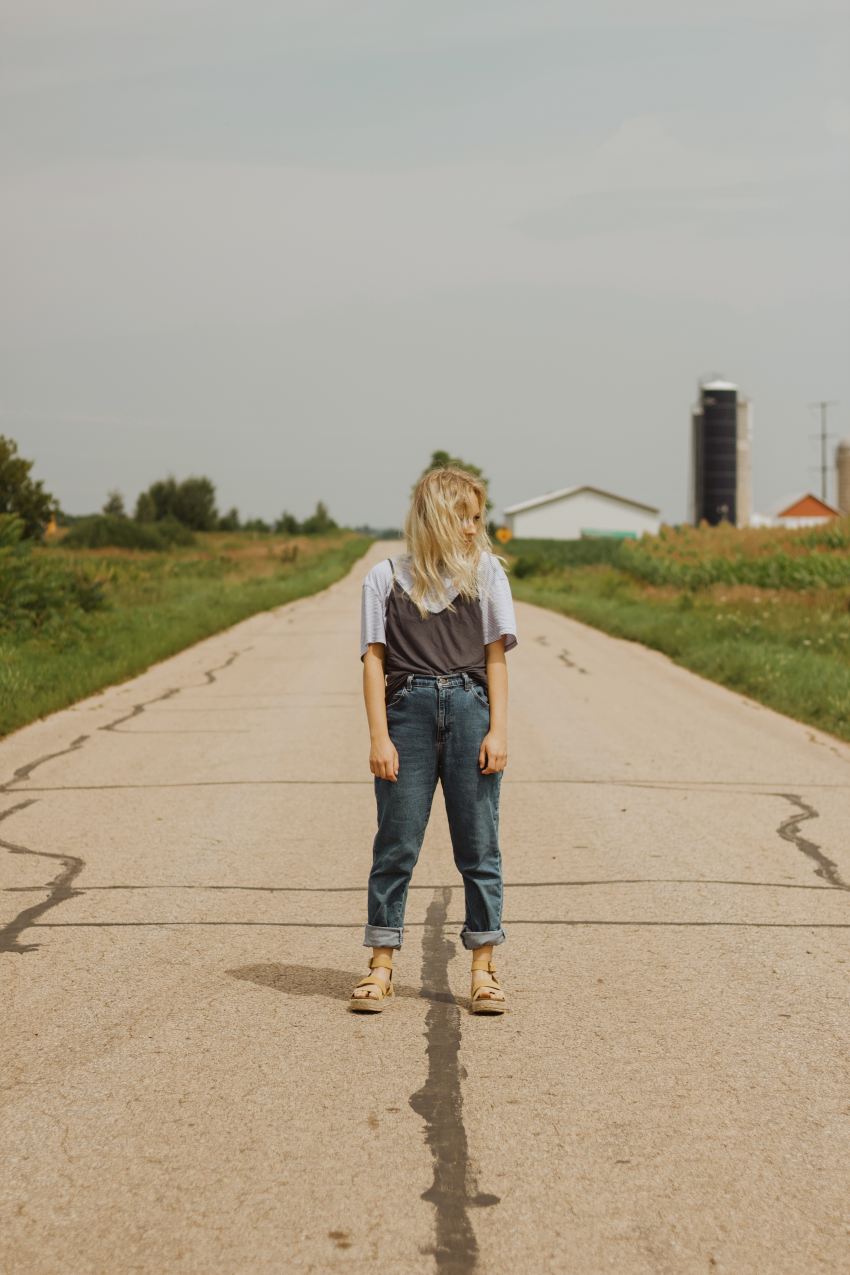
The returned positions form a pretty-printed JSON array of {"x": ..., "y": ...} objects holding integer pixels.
[
  {"x": 744, "y": 487},
  {"x": 714, "y": 453},
  {"x": 842, "y": 474},
  {"x": 695, "y": 477}
]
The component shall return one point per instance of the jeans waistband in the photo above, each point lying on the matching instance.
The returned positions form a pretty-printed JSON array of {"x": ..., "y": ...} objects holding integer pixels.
[{"x": 442, "y": 679}]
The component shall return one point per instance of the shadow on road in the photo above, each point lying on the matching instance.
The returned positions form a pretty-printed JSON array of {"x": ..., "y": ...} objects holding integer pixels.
[{"x": 315, "y": 980}]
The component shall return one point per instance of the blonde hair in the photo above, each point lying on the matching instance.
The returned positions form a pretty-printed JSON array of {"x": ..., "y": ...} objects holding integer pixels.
[{"x": 435, "y": 540}]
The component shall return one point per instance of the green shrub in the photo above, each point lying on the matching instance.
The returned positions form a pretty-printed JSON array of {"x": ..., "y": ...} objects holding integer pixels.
[
  {"x": 175, "y": 532},
  {"x": 11, "y": 530},
  {"x": 530, "y": 564},
  {"x": 104, "y": 530},
  {"x": 37, "y": 591}
]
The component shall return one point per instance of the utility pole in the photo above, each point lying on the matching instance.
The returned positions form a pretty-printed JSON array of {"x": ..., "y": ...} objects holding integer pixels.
[{"x": 824, "y": 405}]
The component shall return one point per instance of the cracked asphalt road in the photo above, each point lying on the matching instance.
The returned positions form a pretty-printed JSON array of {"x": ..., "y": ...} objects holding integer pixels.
[{"x": 181, "y": 924}]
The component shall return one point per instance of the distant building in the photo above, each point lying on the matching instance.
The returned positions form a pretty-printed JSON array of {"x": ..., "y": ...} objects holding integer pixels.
[
  {"x": 806, "y": 510},
  {"x": 577, "y": 512},
  {"x": 720, "y": 485}
]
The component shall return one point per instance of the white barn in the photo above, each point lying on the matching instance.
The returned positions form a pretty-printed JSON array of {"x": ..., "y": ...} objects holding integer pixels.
[{"x": 575, "y": 512}]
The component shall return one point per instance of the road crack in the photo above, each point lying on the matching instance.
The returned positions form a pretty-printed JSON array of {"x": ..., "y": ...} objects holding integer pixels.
[
  {"x": 565, "y": 657},
  {"x": 24, "y": 772},
  {"x": 61, "y": 888},
  {"x": 789, "y": 830},
  {"x": 440, "y": 1103}
]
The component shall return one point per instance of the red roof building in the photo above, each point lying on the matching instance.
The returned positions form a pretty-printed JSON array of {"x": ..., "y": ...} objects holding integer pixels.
[{"x": 808, "y": 506}]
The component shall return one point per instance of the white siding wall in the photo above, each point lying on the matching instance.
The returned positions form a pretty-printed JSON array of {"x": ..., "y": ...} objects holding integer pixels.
[{"x": 565, "y": 519}]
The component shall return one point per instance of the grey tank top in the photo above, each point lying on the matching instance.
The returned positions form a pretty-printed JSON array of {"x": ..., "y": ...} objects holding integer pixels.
[{"x": 444, "y": 642}]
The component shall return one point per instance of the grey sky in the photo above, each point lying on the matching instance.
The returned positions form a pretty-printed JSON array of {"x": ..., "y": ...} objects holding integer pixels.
[{"x": 298, "y": 245}]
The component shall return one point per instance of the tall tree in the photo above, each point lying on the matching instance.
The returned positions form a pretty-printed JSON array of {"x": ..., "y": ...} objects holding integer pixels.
[
  {"x": 22, "y": 495},
  {"x": 319, "y": 522},
  {"x": 287, "y": 524},
  {"x": 443, "y": 459},
  {"x": 229, "y": 521},
  {"x": 145, "y": 507},
  {"x": 115, "y": 505},
  {"x": 196, "y": 504},
  {"x": 191, "y": 502},
  {"x": 164, "y": 496}
]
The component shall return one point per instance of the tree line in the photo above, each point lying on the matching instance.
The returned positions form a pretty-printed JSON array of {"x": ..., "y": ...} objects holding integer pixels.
[
  {"x": 167, "y": 512},
  {"x": 190, "y": 503}
]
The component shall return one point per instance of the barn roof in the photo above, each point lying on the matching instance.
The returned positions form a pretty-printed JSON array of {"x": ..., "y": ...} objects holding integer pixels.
[
  {"x": 805, "y": 505},
  {"x": 565, "y": 492}
]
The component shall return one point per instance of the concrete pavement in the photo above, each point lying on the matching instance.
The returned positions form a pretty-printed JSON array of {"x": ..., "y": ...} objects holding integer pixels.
[{"x": 184, "y": 859}]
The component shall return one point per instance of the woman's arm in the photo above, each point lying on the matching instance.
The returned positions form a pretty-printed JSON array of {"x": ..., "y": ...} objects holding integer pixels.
[
  {"x": 493, "y": 754},
  {"x": 383, "y": 758}
]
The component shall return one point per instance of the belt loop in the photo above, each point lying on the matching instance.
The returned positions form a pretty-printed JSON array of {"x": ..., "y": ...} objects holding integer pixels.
[
  {"x": 409, "y": 681},
  {"x": 466, "y": 681}
]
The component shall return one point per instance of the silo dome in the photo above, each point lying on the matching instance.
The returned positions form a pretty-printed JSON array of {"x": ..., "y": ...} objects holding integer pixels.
[{"x": 717, "y": 385}]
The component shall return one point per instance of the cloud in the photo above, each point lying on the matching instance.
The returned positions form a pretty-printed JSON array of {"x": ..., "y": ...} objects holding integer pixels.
[{"x": 365, "y": 218}]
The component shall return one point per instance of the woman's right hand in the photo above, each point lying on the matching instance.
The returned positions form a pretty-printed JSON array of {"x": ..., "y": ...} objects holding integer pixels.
[{"x": 383, "y": 759}]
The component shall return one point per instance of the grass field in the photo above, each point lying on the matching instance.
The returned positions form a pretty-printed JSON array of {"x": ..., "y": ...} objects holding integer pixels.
[
  {"x": 765, "y": 612},
  {"x": 130, "y": 608}
]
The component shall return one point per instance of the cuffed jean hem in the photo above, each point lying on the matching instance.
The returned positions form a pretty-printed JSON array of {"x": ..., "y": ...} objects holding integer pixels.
[
  {"x": 383, "y": 936},
  {"x": 481, "y": 938}
]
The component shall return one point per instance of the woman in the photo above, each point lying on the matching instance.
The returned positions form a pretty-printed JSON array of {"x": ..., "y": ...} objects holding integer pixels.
[{"x": 435, "y": 626}]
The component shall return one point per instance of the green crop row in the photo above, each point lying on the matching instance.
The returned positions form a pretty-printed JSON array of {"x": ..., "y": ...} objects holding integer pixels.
[
  {"x": 779, "y": 571},
  {"x": 697, "y": 557}
]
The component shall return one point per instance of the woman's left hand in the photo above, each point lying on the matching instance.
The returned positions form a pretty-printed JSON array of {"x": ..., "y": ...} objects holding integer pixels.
[{"x": 493, "y": 753}]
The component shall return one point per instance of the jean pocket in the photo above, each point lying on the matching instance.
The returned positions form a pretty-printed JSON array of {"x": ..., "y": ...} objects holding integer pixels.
[
  {"x": 480, "y": 694},
  {"x": 398, "y": 697}
]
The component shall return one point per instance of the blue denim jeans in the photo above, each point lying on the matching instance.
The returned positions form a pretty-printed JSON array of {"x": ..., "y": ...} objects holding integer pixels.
[{"x": 437, "y": 725}]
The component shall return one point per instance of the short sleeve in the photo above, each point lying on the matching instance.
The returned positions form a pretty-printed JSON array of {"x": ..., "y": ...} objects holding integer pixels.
[
  {"x": 373, "y": 605},
  {"x": 497, "y": 606},
  {"x": 372, "y": 618}
]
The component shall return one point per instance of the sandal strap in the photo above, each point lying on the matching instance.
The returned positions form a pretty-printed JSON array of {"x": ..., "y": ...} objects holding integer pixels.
[
  {"x": 482, "y": 985},
  {"x": 483, "y": 964},
  {"x": 381, "y": 962},
  {"x": 373, "y": 978}
]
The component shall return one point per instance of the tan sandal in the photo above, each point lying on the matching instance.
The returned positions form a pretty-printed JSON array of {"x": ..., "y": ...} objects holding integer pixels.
[
  {"x": 370, "y": 1004},
  {"x": 479, "y": 1004}
]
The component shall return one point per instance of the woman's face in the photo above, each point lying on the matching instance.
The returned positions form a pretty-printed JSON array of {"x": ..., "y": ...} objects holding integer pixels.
[{"x": 470, "y": 520}]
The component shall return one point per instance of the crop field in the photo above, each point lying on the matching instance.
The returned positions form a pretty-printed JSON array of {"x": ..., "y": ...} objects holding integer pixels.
[
  {"x": 73, "y": 620},
  {"x": 764, "y": 611}
]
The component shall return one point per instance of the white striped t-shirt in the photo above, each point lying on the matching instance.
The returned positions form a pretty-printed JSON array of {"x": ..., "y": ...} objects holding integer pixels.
[{"x": 497, "y": 606}]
